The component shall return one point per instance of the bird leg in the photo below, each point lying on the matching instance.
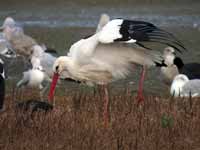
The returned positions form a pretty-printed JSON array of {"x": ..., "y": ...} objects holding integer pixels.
[
  {"x": 106, "y": 105},
  {"x": 140, "y": 96}
]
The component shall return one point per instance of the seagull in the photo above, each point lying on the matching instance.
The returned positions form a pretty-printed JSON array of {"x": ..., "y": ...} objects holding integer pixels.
[
  {"x": 42, "y": 61},
  {"x": 45, "y": 57},
  {"x": 174, "y": 65},
  {"x": 109, "y": 55},
  {"x": 19, "y": 41},
  {"x": 183, "y": 87},
  {"x": 34, "y": 77},
  {"x": 2, "y": 84},
  {"x": 10, "y": 22}
]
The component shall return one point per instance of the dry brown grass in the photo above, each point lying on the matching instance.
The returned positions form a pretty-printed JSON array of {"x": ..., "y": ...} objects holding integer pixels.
[{"x": 76, "y": 123}]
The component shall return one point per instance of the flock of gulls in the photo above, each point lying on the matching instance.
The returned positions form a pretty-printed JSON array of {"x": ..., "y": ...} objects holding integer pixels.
[{"x": 106, "y": 56}]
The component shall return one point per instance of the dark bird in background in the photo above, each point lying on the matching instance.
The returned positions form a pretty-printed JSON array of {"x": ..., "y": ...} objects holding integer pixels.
[{"x": 2, "y": 85}]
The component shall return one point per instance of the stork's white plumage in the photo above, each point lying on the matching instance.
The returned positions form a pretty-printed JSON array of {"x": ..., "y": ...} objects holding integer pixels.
[
  {"x": 104, "y": 19},
  {"x": 111, "y": 31},
  {"x": 106, "y": 56}
]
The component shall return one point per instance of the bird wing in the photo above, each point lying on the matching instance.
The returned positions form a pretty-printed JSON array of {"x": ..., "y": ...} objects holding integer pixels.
[
  {"x": 117, "y": 52},
  {"x": 118, "y": 58},
  {"x": 192, "y": 87},
  {"x": 83, "y": 50},
  {"x": 138, "y": 32}
]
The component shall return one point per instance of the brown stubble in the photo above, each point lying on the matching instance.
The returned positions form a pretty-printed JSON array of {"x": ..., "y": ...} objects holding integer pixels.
[{"x": 77, "y": 123}]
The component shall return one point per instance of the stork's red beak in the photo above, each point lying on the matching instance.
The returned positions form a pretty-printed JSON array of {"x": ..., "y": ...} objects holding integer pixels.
[{"x": 53, "y": 86}]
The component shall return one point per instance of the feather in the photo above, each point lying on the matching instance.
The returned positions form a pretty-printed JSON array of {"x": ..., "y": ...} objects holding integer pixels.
[{"x": 120, "y": 30}]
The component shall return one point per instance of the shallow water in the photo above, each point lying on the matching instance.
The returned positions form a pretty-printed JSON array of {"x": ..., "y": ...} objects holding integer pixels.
[{"x": 58, "y": 25}]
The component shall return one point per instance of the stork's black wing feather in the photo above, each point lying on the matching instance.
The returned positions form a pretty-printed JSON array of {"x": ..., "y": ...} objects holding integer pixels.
[{"x": 147, "y": 32}]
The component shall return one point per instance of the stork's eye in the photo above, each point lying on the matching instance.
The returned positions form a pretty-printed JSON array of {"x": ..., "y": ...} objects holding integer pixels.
[{"x": 57, "y": 68}]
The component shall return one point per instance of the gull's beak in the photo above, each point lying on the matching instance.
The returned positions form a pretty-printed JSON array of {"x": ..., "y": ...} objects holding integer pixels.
[{"x": 53, "y": 86}]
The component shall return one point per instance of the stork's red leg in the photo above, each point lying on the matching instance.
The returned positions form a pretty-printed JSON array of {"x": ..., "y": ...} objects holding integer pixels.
[
  {"x": 106, "y": 105},
  {"x": 140, "y": 96}
]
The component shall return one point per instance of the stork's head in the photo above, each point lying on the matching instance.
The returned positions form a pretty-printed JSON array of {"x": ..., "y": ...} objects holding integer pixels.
[
  {"x": 61, "y": 64},
  {"x": 60, "y": 68}
]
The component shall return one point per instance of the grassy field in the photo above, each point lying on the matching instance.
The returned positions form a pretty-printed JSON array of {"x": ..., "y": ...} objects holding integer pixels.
[{"x": 76, "y": 123}]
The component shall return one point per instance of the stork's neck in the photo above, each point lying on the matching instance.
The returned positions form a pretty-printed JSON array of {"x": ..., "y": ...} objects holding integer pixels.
[{"x": 92, "y": 41}]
